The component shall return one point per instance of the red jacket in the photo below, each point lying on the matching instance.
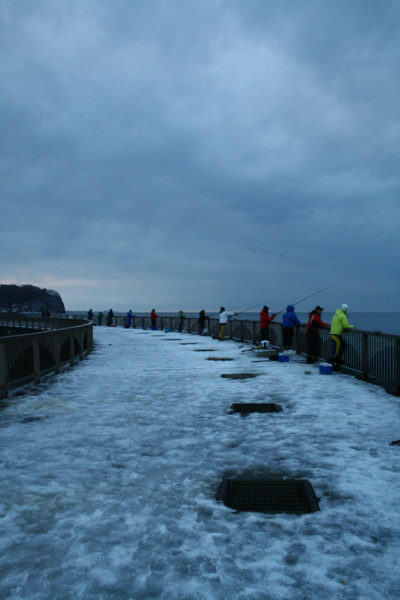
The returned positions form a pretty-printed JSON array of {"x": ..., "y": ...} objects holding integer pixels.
[
  {"x": 265, "y": 319},
  {"x": 314, "y": 323},
  {"x": 153, "y": 315}
]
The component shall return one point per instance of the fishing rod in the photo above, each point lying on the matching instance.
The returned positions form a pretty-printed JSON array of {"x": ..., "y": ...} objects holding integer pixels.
[
  {"x": 307, "y": 297},
  {"x": 238, "y": 312},
  {"x": 234, "y": 311},
  {"x": 294, "y": 303}
]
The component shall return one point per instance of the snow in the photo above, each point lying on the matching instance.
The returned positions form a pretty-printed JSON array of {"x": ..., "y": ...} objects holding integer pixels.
[{"x": 109, "y": 492}]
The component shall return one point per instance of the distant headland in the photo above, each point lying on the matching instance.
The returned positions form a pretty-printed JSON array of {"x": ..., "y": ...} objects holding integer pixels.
[{"x": 29, "y": 298}]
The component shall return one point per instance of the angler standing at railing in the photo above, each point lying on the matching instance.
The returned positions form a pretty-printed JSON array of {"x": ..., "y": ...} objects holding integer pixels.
[
  {"x": 289, "y": 321},
  {"x": 339, "y": 324},
  {"x": 153, "y": 319},
  {"x": 110, "y": 317},
  {"x": 223, "y": 319},
  {"x": 265, "y": 320},
  {"x": 181, "y": 320},
  {"x": 202, "y": 321},
  {"x": 313, "y": 325}
]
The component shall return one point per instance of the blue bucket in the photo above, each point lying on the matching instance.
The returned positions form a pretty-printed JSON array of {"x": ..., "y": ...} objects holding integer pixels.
[
  {"x": 283, "y": 357},
  {"x": 325, "y": 369},
  {"x": 167, "y": 330}
]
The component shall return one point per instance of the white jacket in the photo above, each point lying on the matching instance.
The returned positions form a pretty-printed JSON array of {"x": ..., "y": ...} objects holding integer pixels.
[{"x": 223, "y": 317}]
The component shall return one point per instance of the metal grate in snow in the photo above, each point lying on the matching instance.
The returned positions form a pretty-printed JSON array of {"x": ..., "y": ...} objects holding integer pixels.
[
  {"x": 248, "y": 407},
  {"x": 239, "y": 375},
  {"x": 294, "y": 496},
  {"x": 204, "y": 350}
]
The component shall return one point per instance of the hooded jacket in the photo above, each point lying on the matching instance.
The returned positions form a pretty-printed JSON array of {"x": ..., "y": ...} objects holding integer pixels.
[
  {"x": 340, "y": 322},
  {"x": 290, "y": 318}
]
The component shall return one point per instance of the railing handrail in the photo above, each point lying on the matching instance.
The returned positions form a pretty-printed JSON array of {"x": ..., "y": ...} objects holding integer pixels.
[
  {"x": 42, "y": 331},
  {"x": 27, "y": 356}
]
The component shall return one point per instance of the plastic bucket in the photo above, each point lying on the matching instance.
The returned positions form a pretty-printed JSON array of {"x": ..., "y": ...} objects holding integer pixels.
[
  {"x": 167, "y": 330},
  {"x": 325, "y": 369},
  {"x": 283, "y": 357}
]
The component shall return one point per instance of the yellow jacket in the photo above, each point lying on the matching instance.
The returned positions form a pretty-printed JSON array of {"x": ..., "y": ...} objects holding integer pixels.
[{"x": 340, "y": 322}]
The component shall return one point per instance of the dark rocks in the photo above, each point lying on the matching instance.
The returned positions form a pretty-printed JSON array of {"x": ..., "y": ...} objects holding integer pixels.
[{"x": 29, "y": 298}]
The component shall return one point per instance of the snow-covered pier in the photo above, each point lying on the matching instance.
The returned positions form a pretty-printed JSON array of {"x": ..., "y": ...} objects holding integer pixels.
[{"x": 109, "y": 474}]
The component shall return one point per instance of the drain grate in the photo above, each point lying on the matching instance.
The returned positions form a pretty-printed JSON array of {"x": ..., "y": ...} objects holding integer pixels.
[
  {"x": 238, "y": 375},
  {"x": 248, "y": 407},
  {"x": 204, "y": 350},
  {"x": 216, "y": 358},
  {"x": 269, "y": 496}
]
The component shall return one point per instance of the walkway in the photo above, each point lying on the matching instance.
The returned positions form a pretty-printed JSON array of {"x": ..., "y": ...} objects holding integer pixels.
[{"x": 109, "y": 472}]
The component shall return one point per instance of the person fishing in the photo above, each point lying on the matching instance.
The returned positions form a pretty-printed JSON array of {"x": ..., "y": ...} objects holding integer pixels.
[
  {"x": 265, "y": 320},
  {"x": 339, "y": 325},
  {"x": 289, "y": 321},
  {"x": 153, "y": 319},
  {"x": 223, "y": 319},
  {"x": 181, "y": 320},
  {"x": 314, "y": 324},
  {"x": 202, "y": 321},
  {"x": 110, "y": 317}
]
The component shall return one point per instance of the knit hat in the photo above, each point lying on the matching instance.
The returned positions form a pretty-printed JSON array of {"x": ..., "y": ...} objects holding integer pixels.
[{"x": 344, "y": 307}]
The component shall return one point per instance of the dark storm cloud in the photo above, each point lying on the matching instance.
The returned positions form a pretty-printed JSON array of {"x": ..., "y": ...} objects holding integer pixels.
[{"x": 201, "y": 152}]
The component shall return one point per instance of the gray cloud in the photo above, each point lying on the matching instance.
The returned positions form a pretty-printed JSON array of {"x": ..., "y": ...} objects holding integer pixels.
[{"x": 186, "y": 154}]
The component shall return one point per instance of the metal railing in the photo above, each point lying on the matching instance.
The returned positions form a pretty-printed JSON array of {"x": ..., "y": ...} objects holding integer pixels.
[
  {"x": 372, "y": 356},
  {"x": 31, "y": 347}
]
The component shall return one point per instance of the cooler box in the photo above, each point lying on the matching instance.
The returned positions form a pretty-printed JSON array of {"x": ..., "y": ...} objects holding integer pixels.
[
  {"x": 167, "y": 330},
  {"x": 283, "y": 357},
  {"x": 325, "y": 369}
]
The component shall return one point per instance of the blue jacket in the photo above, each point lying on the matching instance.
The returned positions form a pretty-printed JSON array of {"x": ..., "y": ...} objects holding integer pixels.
[{"x": 290, "y": 318}]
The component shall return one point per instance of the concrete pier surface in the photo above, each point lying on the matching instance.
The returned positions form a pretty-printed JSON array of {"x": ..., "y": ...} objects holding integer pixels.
[{"x": 109, "y": 474}]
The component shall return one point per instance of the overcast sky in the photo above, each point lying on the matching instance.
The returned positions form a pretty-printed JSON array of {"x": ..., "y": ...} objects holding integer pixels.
[{"x": 187, "y": 154}]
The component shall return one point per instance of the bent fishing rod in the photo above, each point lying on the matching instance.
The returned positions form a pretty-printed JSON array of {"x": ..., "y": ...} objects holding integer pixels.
[
  {"x": 294, "y": 303},
  {"x": 242, "y": 310},
  {"x": 307, "y": 297}
]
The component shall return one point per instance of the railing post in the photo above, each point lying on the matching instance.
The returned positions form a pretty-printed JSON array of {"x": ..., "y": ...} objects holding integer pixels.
[
  {"x": 81, "y": 336},
  {"x": 36, "y": 362},
  {"x": 3, "y": 371},
  {"x": 397, "y": 363},
  {"x": 254, "y": 332},
  {"x": 297, "y": 340},
  {"x": 364, "y": 356},
  {"x": 71, "y": 351},
  {"x": 56, "y": 350},
  {"x": 161, "y": 323}
]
